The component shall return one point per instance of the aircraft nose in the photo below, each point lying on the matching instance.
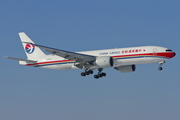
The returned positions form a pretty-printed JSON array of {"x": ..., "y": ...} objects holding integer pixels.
[{"x": 174, "y": 54}]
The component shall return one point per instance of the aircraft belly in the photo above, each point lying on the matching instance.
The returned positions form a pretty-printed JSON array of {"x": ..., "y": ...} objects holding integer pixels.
[
  {"x": 64, "y": 67},
  {"x": 154, "y": 59},
  {"x": 58, "y": 67},
  {"x": 142, "y": 60}
]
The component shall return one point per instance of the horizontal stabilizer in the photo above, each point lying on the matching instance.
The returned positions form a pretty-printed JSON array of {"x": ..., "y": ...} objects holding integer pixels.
[{"x": 19, "y": 59}]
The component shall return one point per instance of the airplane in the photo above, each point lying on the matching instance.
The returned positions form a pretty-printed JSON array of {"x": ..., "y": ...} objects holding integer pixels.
[{"x": 121, "y": 59}]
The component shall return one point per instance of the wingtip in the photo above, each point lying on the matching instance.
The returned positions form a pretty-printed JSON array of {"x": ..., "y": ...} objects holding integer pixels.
[
  {"x": 21, "y": 32},
  {"x": 5, "y": 57}
]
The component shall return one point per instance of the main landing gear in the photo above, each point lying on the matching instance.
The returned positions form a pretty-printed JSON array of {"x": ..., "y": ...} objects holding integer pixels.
[
  {"x": 100, "y": 74},
  {"x": 87, "y": 72},
  {"x": 160, "y": 64}
]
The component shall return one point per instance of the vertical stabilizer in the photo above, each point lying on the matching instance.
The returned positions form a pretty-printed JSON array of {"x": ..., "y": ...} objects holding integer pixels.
[{"x": 30, "y": 50}]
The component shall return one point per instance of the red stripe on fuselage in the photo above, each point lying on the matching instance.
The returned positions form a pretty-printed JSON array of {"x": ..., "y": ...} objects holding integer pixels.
[
  {"x": 166, "y": 54},
  {"x": 40, "y": 63},
  {"x": 162, "y": 54}
]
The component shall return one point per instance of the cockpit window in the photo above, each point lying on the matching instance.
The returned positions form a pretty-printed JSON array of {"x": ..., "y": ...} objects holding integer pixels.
[{"x": 169, "y": 50}]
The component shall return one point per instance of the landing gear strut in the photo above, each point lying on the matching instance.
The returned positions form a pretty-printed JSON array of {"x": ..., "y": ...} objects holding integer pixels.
[
  {"x": 100, "y": 74},
  {"x": 160, "y": 64},
  {"x": 87, "y": 72}
]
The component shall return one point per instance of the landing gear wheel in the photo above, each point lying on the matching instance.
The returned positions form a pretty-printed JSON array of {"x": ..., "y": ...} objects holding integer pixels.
[
  {"x": 160, "y": 68},
  {"x": 90, "y": 72},
  {"x": 83, "y": 74},
  {"x": 103, "y": 74},
  {"x": 96, "y": 76},
  {"x": 100, "y": 75},
  {"x": 87, "y": 73}
]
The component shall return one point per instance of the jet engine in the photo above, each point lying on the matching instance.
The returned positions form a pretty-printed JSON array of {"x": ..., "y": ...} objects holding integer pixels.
[
  {"x": 126, "y": 68},
  {"x": 104, "y": 61}
]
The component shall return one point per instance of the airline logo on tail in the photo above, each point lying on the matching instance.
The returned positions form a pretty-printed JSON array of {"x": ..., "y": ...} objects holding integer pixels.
[{"x": 29, "y": 48}]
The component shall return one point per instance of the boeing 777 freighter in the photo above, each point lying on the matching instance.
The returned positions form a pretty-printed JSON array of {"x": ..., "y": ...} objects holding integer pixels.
[{"x": 122, "y": 59}]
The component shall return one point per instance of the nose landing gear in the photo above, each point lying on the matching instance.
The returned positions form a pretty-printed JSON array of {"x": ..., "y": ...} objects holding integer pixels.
[{"x": 160, "y": 64}]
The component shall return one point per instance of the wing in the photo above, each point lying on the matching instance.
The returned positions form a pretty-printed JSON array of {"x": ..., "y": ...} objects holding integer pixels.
[{"x": 78, "y": 57}]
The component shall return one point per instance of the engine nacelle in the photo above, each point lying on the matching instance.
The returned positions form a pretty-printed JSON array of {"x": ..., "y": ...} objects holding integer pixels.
[
  {"x": 126, "y": 68},
  {"x": 104, "y": 61}
]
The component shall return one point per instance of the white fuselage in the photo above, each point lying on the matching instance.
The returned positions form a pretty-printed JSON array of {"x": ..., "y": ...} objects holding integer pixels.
[{"x": 121, "y": 57}]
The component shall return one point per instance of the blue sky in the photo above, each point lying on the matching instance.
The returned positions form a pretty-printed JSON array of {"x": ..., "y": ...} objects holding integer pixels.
[{"x": 28, "y": 93}]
